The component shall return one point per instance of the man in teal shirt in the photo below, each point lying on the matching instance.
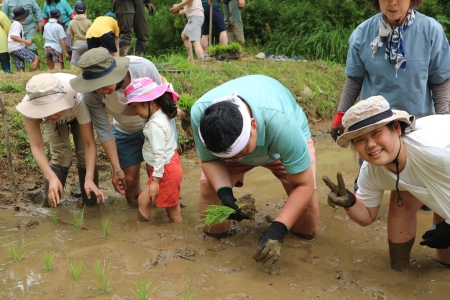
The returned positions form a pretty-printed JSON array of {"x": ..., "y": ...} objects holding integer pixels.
[
  {"x": 29, "y": 26},
  {"x": 255, "y": 121}
]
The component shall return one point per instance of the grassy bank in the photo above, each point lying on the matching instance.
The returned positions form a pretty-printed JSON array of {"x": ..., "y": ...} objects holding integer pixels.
[{"x": 316, "y": 85}]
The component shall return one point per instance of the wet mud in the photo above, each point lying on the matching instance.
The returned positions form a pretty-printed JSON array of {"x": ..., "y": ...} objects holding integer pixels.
[
  {"x": 247, "y": 205},
  {"x": 344, "y": 261}
]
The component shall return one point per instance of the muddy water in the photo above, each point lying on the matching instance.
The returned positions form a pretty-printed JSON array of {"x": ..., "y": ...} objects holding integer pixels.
[{"x": 345, "y": 261}]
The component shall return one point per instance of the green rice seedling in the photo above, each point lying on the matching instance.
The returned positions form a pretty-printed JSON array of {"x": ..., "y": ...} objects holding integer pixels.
[
  {"x": 48, "y": 260},
  {"x": 78, "y": 219},
  {"x": 75, "y": 269},
  {"x": 186, "y": 102},
  {"x": 101, "y": 277},
  {"x": 219, "y": 48},
  {"x": 142, "y": 289},
  {"x": 15, "y": 248},
  {"x": 54, "y": 216},
  {"x": 105, "y": 225},
  {"x": 216, "y": 214},
  {"x": 188, "y": 296}
]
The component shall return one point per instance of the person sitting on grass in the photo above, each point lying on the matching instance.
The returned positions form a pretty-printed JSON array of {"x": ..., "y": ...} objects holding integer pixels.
[
  {"x": 17, "y": 43},
  {"x": 52, "y": 106},
  {"x": 192, "y": 32},
  {"x": 77, "y": 31},
  {"x": 156, "y": 104},
  {"x": 55, "y": 41},
  {"x": 407, "y": 157},
  {"x": 104, "y": 32}
]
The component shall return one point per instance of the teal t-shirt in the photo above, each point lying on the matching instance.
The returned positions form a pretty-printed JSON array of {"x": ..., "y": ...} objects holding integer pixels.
[
  {"x": 282, "y": 126},
  {"x": 63, "y": 6}
]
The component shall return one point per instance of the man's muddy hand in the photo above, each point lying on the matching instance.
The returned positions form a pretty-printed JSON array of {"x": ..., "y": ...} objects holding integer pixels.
[
  {"x": 339, "y": 195},
  {"x": 269, "y": 243},
  {"x": 118, "y": 181}
]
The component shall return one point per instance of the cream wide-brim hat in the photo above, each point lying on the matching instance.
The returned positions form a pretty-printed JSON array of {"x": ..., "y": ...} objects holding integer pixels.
[
  {"x": 368, "y": 115},
  {"x": 47, "y": 94}
]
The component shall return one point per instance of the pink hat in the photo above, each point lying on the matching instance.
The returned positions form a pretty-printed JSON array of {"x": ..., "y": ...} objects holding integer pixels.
[{"x": 144, "y": 90}]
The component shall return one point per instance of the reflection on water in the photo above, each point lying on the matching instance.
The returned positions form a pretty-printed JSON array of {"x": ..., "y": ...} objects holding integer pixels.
[{"x": 345, "y": 261}]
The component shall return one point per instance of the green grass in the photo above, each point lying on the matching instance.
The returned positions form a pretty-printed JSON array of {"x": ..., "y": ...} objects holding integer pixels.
[
  {"x": 75, "y": 269},
  {"x": 188, "y": 296},
  {"x": 185, "y": 103},
  {"x": 216, "y": 214},
  {"x": 142, "y": 289},
  {"x": 48, "y": 260},
  {"x": 11, "y": 87},
  {"x": 100, "y": 277},
  {"x": 15, "y": 248},
  {"x": 54, "y": 216},
  {"x": 105, "y": 225},
  {"x": 78, "y": 219}
]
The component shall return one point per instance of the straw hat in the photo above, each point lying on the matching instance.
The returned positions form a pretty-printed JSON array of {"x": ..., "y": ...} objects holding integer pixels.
[
  {"x": 370, "y": 114},
  {"x": 100, "y": 69},
  {"x": 143, "y": 90},
  {"x": 46, "y": 95}
]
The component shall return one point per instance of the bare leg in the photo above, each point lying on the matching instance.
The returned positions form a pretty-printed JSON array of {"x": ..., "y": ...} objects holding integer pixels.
[
  {"x": 115, "y": 54},
  {"x": 132, "y": 181},
  {"x": 204, "y": 43},
  {"x": 223, "y": 38},
  {"x": 198, "y": 49},
  {"x": 188, "y": 46},
  {"x": 58, "y": 66},
  {"x": 401, "y": 227},
  {"x": 174, "y": 214},
  {"x": 144, "y": 212},
  {"x": 308, "y": 222},
  {"x": 35, "y": 64},
  {"x": 50, "y": 64}
]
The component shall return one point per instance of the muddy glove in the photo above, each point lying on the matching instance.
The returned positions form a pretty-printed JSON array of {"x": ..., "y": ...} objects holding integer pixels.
[
  {"x": 269, "y": 243},
  {"x": 336, "y": 127},
  {"x": 225, "y": 195},
  {"x": 339, "y": 195},
  {"x": 438, "y": 236}
]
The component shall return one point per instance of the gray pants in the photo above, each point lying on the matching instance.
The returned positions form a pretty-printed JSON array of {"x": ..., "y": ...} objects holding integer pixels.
[
  {"x": 233, "y": 20},
  {"x": 57, "y": 135}
]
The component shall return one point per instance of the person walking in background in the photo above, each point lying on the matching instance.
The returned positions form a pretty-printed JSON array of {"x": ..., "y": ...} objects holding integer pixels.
[
  {"x": 403, "y": 56},
  {"x": 52, "y": 106},
  {"x": 233, "y": 19},
  {"x": 55, "y": 36},
  {"x": 17, "y": 42},
  {"x": 131, "y": 17},
  {"x": 192, "y": 32},
  {"x": 77, "y": 32},
  {"x": 32, "y": 24},
  {"x": 5, "y": 24},
  {"x": 155, "y": 103},
  {"x": 66, "y": 15},
  {"x": 217, "y": 21},
  {"x": 104, "y": 32}
]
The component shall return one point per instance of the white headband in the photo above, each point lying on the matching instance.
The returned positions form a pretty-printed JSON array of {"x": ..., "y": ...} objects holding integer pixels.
[{"x": 243, "y": 138}]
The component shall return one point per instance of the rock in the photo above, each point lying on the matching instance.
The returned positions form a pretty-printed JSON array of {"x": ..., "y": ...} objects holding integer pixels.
[
  {"x": 307, "y": 92},
  {"x": 27, "y": 224},
  {"x": 34, "y": 196}
]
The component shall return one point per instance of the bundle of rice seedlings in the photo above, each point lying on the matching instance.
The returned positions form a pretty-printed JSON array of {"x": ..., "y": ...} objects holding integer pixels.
[{"x": 185, "y": 103}]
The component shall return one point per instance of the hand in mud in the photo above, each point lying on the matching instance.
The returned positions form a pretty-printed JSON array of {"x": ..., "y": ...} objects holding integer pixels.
[
  {"x": 55, "y": 190},
  {"x": 89, "y": 186},
  {"x": 336, "y": 131},
  {"x": 339, "y": 195},
  {"x": 269, "y": 243},
  {"x": 154, "y": 191},
  {"x": 238, "y": 216},
  {"x": 118, "y": 181},
  {"x": 438, "y": 236}
]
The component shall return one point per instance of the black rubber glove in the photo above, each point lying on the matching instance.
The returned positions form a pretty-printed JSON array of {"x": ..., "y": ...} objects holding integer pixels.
[
  {"x": 269, "y": 243},
  {"x": 226, "y": 196},
  {"x": 438, "y": 236},
  {"x": 238, "y": 216},
  {"x": 339, "y": 195}
]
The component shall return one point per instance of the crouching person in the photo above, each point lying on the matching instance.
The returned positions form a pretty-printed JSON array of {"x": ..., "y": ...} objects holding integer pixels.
[
  {"x": 255, "y": 121},
  {"x": 51, "y": 104}
]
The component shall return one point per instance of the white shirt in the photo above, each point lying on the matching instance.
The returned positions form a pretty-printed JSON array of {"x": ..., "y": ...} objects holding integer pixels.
[
  {"x": 15, "y": 30},
  {"x": 160, "y": 144},
  {"x": 427, "y": 171}
]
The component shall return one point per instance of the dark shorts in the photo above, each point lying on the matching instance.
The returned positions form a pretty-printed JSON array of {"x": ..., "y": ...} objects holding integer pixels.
[
  {"x": 129, "y": 148},
  {"x": 53, "y": 55},
  {"x": 218, "y": 20},
  {"x": 21, "y": 56},
  {"x": 108, "y": 41}
]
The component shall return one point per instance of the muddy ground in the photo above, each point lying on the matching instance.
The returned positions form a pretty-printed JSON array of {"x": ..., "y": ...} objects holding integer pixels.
[{"x": 344, "y": 261}]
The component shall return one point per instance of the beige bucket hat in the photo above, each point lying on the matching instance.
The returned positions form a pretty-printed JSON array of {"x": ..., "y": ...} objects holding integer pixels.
[
  {"x": 99, "y": 69},
  {"x": 46, "y": 95},
  {"x": 370, "y": 114}
]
